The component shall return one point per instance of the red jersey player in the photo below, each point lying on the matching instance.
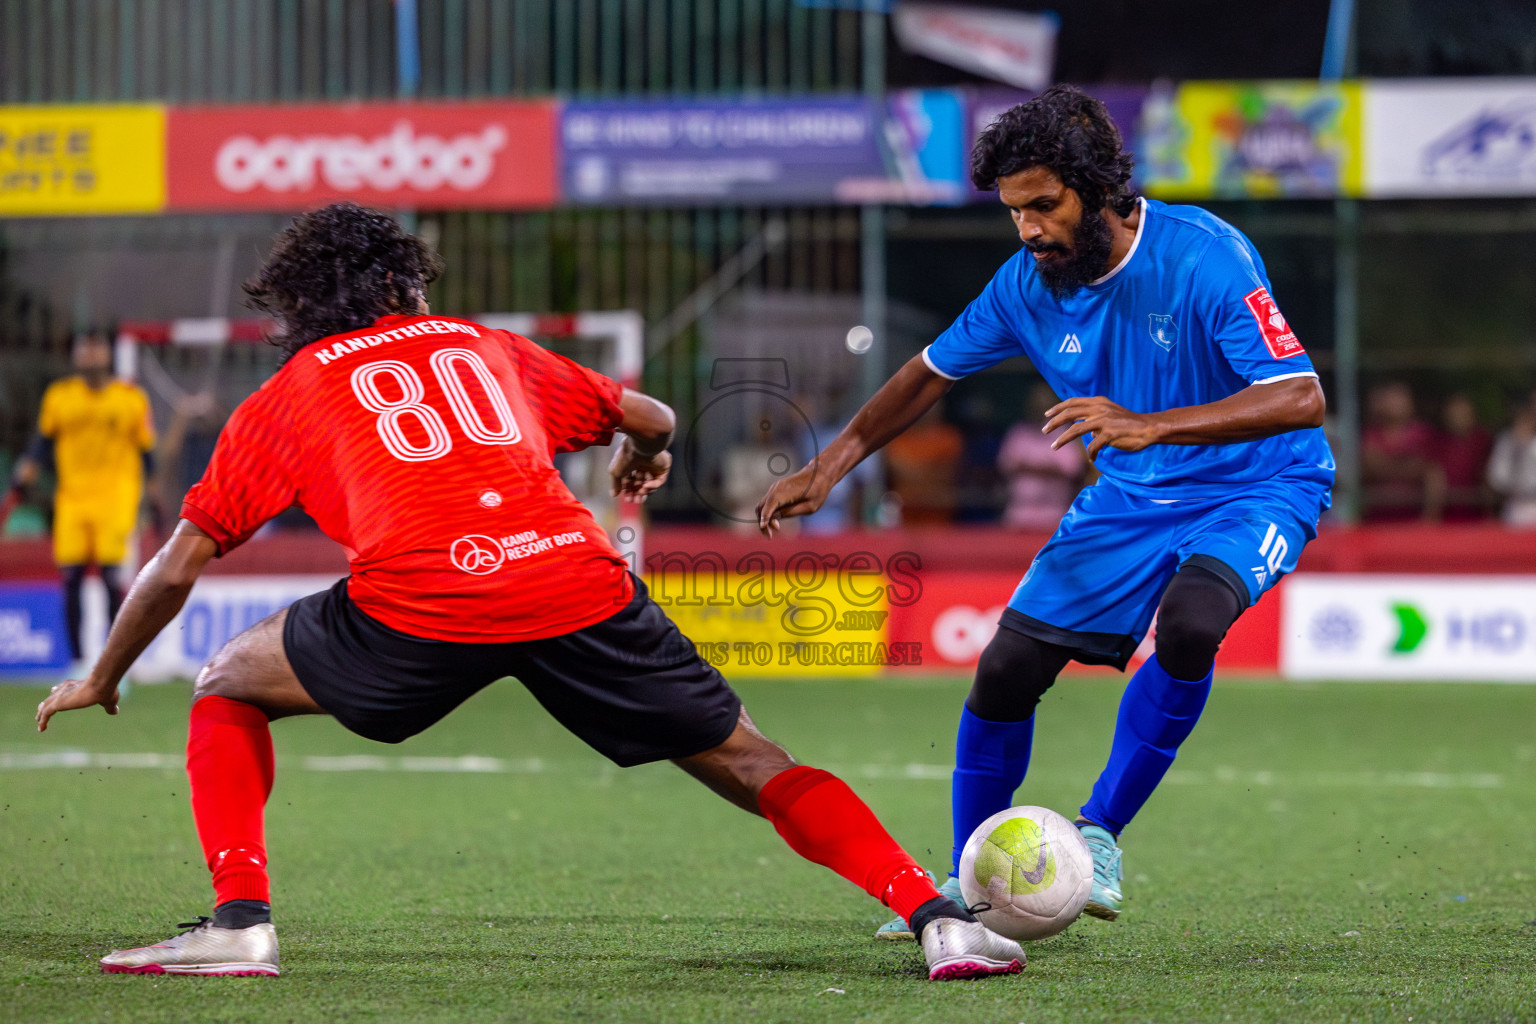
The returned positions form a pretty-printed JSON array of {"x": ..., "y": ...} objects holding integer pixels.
[{"x": 423, "y": 444}]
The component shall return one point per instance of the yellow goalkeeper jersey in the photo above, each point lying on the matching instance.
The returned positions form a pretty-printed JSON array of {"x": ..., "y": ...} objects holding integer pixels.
[{"x": 100, "y": 437}]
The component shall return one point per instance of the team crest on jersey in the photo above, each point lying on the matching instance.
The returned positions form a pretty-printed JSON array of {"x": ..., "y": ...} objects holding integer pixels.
[{"x": 1163, "y": 330}]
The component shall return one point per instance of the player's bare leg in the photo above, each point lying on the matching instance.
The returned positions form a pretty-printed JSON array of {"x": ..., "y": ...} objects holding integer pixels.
[
  {"x": 825, "y": 822},
  {"x": 229, "y": 764}
]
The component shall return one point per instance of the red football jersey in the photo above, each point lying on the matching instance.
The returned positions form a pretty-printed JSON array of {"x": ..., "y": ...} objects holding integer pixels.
[{"x": 424, "y": 445}]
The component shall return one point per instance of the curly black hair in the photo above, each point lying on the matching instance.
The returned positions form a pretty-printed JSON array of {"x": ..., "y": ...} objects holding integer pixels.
[
  {"x": 339, "y": 269},
  {"x": 1068, "y": 131}
]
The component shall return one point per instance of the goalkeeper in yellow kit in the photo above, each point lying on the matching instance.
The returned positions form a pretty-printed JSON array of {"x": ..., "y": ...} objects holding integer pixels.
[{"x": 97, "y": 433}]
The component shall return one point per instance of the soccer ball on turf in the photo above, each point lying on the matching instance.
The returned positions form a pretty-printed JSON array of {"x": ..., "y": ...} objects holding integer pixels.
[{"x": 1032, "y": 866}]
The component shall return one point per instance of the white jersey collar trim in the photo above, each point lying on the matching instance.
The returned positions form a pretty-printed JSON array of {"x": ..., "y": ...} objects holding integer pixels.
[{"x": 1141, "y": 225}]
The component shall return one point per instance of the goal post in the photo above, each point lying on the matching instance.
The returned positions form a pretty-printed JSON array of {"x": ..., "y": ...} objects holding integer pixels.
[{"x": 221, "y": 359}]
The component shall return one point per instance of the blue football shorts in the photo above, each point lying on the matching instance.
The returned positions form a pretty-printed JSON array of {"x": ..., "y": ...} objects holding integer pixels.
[{"x": 1096, "y": 585}]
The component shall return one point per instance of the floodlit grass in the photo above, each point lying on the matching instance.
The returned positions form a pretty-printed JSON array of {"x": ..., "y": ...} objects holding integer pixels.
[{"x": 1345, "y": 852}]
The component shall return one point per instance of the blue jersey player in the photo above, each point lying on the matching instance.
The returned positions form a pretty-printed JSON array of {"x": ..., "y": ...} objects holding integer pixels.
[{"x": 1156, "y": 326}]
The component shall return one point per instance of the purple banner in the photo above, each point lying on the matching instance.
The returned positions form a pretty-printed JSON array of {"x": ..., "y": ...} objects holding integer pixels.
[{"x": 812, "y": 150}]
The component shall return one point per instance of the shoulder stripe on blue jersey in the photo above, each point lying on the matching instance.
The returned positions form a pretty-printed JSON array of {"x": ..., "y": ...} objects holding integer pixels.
[
  {"x": 1286, "y": 376},
  {"x": 928, "y": 360}
]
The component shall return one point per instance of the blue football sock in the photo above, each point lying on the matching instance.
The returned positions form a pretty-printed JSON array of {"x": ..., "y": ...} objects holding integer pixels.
[
  {"x": 1157, "y": 713},
  {"x": 990, "y": 761}
]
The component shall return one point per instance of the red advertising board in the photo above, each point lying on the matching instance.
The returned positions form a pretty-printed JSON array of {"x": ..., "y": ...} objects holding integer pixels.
[
  {"x": 435, "y": 155},
  {"x": 957, "y": 612}
]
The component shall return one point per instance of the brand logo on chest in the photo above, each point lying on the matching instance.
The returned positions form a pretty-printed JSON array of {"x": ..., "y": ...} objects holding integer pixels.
[{"x": 1070, "y": 344}]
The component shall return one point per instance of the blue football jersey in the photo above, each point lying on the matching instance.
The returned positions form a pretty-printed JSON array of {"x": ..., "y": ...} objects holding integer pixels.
[{"x": 1186, "y": 318}]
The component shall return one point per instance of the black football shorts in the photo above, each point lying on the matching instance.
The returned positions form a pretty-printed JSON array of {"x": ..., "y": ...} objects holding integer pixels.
[{"x": 631, "y": 686}]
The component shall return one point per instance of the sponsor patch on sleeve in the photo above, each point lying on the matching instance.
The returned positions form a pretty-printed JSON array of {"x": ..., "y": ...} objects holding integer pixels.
[{"x": 1278, "y": 336}]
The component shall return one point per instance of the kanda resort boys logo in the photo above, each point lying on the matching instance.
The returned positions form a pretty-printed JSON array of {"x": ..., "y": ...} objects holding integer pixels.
[
  {"x": 477, "y": 554},
  {"x": 1278, "y": 336}
]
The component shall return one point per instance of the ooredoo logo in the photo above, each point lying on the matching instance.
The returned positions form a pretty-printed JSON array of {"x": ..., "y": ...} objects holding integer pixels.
[
  {"x": 396, "y": 160},
  {"x": 477, "y": 554},
  {"x": 961, "y": 632}
]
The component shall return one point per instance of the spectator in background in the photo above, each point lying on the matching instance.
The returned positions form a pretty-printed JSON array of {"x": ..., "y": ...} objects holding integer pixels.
[
  {"x": 1041, "y": 482},
  {"x": 924, "y": 468},
  {"x": 1512, "y": 469},
  {"x": 1462, "y": 448},
  {"x": 1398, "y": 474}
]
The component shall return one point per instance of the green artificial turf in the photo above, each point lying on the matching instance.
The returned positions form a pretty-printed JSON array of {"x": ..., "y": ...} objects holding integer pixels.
[{"x": 1342, "y": 852}]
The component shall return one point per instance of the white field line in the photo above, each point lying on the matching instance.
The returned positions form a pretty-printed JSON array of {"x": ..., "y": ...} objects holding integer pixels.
[{"x": 475, "y": 764}]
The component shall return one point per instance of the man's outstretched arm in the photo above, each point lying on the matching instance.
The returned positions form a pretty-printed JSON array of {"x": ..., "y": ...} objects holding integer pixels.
[
  {"x": 157, "y": 595},
  {"x": 1259, "y": 410},
  {"x": 899, "y": 403},
  {"x": 641, "y": 462}
]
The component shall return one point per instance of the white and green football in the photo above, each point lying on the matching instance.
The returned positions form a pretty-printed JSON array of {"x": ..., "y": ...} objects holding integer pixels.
[{"x": 1032, "y": 867}]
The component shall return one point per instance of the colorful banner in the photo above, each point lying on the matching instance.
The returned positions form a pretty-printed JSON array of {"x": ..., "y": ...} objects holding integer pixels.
[
  {"x": 81, "y": 160},
  {"x": 219, "y": 608},
  {"x": 1475, "y": 137},
  {"x": 489, "y": 156},
  {"x": 719, "y": 151},
  {"x": 1260, "y": 140},
  {"x": 1198, "y": 140},
  {"x": 1454, "y": 628},
  {"x": 33, "y": 641},
  {"x": 807, "y": 619},
  {"x": 955, "y": 615}
]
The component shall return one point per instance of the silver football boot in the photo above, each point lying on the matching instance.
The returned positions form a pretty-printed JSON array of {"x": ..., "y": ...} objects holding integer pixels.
[
  {"x": 967, "y": 949},
  {"x": 202, "y": 949}
]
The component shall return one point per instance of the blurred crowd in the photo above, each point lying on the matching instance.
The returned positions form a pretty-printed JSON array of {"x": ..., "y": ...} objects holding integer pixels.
[
  {"x": 1448, "y": 467},
  {"x": 1420, "y": 460}
]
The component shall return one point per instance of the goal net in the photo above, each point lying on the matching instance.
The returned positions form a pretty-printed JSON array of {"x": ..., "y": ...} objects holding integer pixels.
[{"x": 197, "y": 370}]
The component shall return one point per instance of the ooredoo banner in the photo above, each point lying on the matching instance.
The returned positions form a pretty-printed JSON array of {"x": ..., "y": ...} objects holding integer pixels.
[{"x": 440, "y": 155}]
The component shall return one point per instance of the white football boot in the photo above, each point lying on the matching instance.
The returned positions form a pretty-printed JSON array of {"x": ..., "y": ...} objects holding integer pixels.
[
  {"x": 203, "y": 949},
  {"x": 967, "y": 949}
]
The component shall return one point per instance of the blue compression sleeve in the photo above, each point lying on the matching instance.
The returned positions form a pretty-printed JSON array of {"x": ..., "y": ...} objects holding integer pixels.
[
  {"x": 1157, "y": 713},
  {"x": 990, "y": 761}
]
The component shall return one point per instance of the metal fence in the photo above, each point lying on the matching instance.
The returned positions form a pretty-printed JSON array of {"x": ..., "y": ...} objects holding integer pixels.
[{"x": 224, "y": 51}]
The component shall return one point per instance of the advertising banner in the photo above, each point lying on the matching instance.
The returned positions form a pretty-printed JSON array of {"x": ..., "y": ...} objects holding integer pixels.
[
  {"x": 805, "y": 619},
  {"x": 219, "y": 608},
  {"x": 33, "y": 641},
  {"x": 1260, "y": 140},
  {"x": 1475, "y": 137},
  {"x": 955, "y": 613},
  {"x": 720, "y": 151},
  {"x": 488, "y": 156},
  {"x": 1015, "y": 47},
  {"x": 81, "y": 160},
  {"x": 1410, "y": 627},
  {"x": 925, "y": 139}
]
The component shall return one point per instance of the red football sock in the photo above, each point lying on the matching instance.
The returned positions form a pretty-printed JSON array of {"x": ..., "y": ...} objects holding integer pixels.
[
  {"x": 824, "y": 821},
  {"x": 229, "y": 763}
]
